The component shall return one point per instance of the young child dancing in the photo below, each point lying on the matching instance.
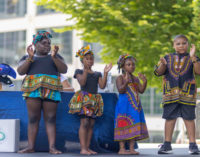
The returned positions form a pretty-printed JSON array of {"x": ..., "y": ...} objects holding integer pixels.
[
  {"x": 87, "y": 103},
  {"x": 130, "y": 125},
  {"x": 179, "y": 91},
  {"x": 41, "y": 87}
]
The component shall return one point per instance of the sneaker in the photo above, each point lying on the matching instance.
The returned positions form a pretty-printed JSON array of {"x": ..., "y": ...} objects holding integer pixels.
[
  {"x": 193, "y": 149},
  {"x": 165, "y": 149}
]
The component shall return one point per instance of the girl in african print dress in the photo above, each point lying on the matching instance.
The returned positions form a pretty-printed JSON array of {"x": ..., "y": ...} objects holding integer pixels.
[
  {"x": 41, "y": 87},
  {"x": 87, "y": 103},
  {"x": 130, "y": 123}
]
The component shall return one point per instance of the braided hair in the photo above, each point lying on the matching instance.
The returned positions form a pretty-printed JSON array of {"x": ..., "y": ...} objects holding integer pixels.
[{"x": 122, "y": 59}]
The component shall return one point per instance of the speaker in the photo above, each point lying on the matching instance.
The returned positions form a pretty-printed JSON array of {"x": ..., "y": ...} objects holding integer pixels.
[{"x": 9, "y": 135}]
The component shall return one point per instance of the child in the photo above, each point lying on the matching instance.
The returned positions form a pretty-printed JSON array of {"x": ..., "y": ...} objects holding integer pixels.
[
  {"x": 130, "y": 123},
  {"x": 179, "y": 91},
  {"x": 41, "y": 87},
  {"x": 65, "y": 83},
  {"x": 86, "y": 102}
]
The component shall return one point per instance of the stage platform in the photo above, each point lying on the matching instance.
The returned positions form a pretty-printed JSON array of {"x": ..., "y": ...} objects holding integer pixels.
[
  {"x": 12, "y": 106},
  {"x": 146, "y": 150}
]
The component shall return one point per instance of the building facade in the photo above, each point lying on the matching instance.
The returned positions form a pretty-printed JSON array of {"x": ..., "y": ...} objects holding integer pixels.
[{"x": 20, "y": 19}]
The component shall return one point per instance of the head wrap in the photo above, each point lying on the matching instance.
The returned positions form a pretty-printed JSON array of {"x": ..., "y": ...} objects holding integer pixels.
[
  {"x": 40, "y": 35},
  {"x": 83, "y": 51},
  {"x": 122, "y": 59}
]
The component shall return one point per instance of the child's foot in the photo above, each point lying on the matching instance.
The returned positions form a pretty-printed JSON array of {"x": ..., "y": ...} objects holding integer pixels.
[
  {"x": 91, "y": 151},
  {"x": 27, "y": 150},
  {"x": 193, "y": 149},
  {"x": 123, "y": 152},
  {"x": 133, "y": 152},
  {"x": 54, "y": 151},
  {"x": 85, "y": 152},
  {"x": 165, "y": 148}
]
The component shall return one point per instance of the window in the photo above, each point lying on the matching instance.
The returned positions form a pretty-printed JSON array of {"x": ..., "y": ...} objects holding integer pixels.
[
  {"x": 151, "y": 101},
  {"x": 43, "y": 10},
  {"x": 12, "y": 47},
  {"x": 64, "y": 41},
  {"x": 12, "y": 8},
  {"x": 96, "y": 48}
]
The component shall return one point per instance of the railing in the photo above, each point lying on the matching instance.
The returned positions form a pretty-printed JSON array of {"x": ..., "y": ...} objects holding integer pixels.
[{"x": 151, "y": 101}]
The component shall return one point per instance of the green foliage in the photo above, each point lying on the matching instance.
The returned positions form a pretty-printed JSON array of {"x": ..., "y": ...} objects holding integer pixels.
[{"x": 143, "y": 28}]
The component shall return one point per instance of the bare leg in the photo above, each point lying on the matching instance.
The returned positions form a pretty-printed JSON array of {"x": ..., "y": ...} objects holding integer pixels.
[
  {"x": 122, "y": 149},
  {"x": 50, "y": 123},
  {"x": 83, "y": 132},
  {"x": 190, "y": 126},
  {"x": 34, "y": 115},
  {"x": 89, "y": 136},
  {"x": 169, "y": 128},
  {"x": 131, "y": 147}
]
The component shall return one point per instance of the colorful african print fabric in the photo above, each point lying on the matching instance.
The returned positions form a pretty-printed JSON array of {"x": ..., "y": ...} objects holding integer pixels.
[
  {"x": 179, "y": 83},
  {"x": 42, "y": 86},
  {"x": 84, "y": 103},
  {"x": 40, "y": 34},
  {"x": 83, "y": 51},
  {"x": 129, "y": 116}
]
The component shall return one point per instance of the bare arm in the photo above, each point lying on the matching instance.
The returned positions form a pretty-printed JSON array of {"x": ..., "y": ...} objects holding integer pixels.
[
  {"x": 196, "y": 63},
  {"x": 66, "y": 86},
  {"x": 23, "y": 66},
  {"x": 160, "y": 70},
  {"x": 0, "y": 86},
  {"x": 60, "y": 64},
  {"x": 103, "y": 81},
  {"x": 143, "y": 86},
  {"x": 82, "y": 77},
  {"x": 122, "y": 83}
]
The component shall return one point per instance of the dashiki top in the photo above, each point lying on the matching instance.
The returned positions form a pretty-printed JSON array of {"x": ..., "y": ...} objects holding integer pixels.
[{"x": 179, "y": 83}]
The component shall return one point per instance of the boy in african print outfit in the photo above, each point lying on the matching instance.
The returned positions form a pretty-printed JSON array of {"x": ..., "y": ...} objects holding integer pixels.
[{"x": 179, "y": 91}]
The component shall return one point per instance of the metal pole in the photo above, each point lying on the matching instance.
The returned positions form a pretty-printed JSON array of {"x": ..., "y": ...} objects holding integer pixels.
[{"x": 152, "y": 101}]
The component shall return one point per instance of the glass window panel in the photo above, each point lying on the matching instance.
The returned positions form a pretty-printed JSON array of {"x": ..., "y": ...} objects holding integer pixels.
[
  {"x": 69, "y": 80},
  {"x": 154, "y": 108},
  {"x": 12, "y": 47},
  {"x": 64, "y": 41},
  {"x": 12, "y": 8},
  {"x": 2, "y": 8},
  {"x": 43, "y": 10},
  {"x": 96, "y": 48}
]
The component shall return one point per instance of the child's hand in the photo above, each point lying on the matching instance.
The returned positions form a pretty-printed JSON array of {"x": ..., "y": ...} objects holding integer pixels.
[
  {"x": 86, "y": 67},
  {"x": 142, "y": 77},
  {"x": 55, "y": 51},
  {"x": 192, "y": 51},
  {"x": 127, "y": 77},
  {"x": 108, "y": 68},
  {"x": 163, "y": 61},
  {"x": 30, "y": 51}
]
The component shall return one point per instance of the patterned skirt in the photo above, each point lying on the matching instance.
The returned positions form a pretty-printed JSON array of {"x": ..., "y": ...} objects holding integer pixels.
[
  {"x": 42, "y": 86},
  {"x": 86, "y": 104},
  {"x": 129, "y": 120}
]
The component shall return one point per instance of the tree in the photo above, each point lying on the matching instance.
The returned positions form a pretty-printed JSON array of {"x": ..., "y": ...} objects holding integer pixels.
[{"x": 142, "y": 28}]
